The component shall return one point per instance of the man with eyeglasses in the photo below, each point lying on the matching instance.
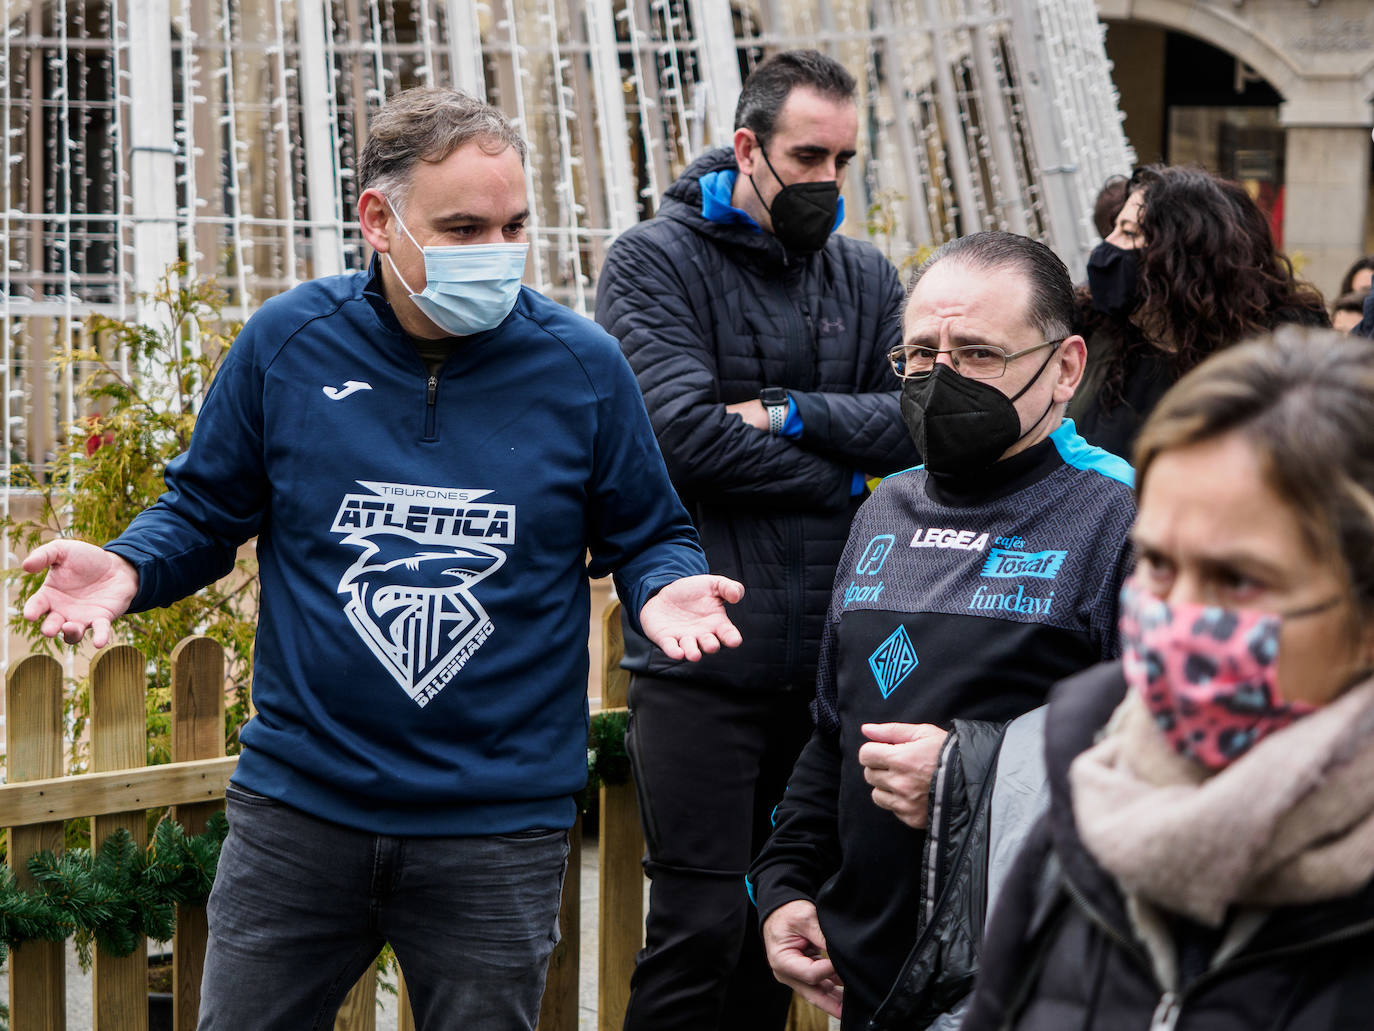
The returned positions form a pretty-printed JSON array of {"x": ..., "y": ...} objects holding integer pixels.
[
  {"x": 968, "y": 587},
  {"x": 759, "y": 336}
]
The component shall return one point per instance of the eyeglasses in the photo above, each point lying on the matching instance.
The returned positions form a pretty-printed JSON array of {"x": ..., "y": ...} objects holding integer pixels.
[{"x": 976, "y": 361}]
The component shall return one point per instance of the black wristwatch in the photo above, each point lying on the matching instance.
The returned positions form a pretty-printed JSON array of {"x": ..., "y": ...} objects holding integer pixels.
[{"x": 775, "y": 404}]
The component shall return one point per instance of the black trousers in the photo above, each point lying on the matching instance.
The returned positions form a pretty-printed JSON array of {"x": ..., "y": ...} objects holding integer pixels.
[{"x": 709, "y": 765}]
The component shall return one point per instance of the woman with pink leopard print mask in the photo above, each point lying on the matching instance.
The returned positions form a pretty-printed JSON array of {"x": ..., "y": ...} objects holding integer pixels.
[{"x": 1207, "y": 858}]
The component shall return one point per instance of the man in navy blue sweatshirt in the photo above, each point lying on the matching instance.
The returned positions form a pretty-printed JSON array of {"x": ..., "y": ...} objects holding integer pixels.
[{"x": 420, "y": 665}]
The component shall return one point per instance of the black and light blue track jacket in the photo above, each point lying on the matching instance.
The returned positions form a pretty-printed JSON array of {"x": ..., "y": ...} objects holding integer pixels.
[{"x": 963, "y": 598}]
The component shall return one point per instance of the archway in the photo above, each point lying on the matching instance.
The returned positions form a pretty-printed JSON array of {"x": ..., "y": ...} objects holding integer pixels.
[
  {"x": 1188, "y": 102},
  {"x": 1310, "y": 84},
  {"x": 1225, "y": 30}
]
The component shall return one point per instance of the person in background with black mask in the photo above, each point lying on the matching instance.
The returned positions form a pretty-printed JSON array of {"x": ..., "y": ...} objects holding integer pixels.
[
  {"x": 967, "y": 588},
  {"x": 760, "y": 338},
  {"x": 1189, "y": 269}
]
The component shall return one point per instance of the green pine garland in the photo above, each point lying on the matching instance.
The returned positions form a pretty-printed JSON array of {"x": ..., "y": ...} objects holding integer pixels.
[
  {"x": 607, "y": 760},
  {"x": 112, "y": 896}
]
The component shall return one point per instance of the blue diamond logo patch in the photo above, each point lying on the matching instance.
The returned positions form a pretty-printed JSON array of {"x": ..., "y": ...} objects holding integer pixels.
[{"x": 893, "y": 661}]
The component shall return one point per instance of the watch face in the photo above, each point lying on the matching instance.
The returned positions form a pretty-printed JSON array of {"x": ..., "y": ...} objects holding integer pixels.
[{"x": 773, "y": 396}]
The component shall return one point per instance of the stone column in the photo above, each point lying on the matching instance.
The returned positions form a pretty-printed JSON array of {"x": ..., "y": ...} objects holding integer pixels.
[{"x": 1325, "y": 200}]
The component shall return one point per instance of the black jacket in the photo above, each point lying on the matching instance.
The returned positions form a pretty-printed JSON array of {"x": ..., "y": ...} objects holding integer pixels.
[
  {"x": 1126, "y": 376},
  {"x": 989, "y": 791},
  {"x": 1061, "y": 953},
  {"x": 1110, "y": 415},
  {"x": 939, "y": 971},
  {"x": 709, "y": 314}
]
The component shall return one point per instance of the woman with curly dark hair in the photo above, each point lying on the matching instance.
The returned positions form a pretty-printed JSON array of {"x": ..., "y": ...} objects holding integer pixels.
[{"x": 1189, "y": 269}]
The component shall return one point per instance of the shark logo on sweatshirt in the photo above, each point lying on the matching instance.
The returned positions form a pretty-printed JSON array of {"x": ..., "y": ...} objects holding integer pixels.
[{"x": 410, "y": 591}]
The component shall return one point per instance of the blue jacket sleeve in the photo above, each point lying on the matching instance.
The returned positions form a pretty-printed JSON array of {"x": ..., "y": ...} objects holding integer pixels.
[
  {"x": 215, "y": 493},
  {"x": 638, "y": 529}
]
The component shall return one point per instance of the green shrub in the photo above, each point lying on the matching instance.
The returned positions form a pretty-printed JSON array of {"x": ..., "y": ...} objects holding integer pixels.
[{"x": 147, "y": 384}]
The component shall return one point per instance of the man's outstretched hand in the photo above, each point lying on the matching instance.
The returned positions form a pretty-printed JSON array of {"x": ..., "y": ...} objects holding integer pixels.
[
  {"x": 687, "y": 618},
  {"x": 86, "y": 589}
]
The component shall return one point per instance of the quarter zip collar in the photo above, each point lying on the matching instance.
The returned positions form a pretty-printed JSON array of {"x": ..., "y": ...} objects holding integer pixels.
[
  {"x": 386, "y": 316},
  {"x": 998, "y": 480},
  {"x": 376, "y": 297}
]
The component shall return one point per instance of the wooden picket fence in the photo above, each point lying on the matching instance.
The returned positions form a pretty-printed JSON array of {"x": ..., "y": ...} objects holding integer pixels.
[{"x": 120, "y": 788}]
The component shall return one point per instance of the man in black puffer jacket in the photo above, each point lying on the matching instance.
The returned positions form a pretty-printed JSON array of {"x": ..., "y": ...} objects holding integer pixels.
[{"x": 759, "y": 338}]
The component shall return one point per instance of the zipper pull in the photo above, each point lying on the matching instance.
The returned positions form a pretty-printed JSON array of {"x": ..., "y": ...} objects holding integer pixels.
[
  {"x": 1166, "y": 1013},
  {"x": 431, "y": 390}
]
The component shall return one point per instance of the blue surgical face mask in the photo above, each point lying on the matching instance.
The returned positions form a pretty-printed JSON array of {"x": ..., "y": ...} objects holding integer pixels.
[{"x": 469, "y": 288}]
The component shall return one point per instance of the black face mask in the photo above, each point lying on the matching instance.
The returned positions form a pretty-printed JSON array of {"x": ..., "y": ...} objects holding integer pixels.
[
  {"x": 962, "y": 425},
  {"x": 1113, "y": 279},
  {"x": 803, "y": 214}
]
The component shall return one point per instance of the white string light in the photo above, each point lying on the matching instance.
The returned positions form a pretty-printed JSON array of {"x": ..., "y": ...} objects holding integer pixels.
[{"x": 569, "y": 210}]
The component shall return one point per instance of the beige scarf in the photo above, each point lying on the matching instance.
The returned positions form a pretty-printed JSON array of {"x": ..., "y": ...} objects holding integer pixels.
[{"x": 1290, "y": 821}]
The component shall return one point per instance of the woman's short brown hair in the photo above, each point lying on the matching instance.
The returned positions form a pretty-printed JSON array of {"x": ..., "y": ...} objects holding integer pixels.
[{"x": 1304, "y": 399}]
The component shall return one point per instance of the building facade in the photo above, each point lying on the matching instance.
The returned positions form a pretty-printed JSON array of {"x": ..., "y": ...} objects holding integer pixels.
[{"x": 1276, "y": 93}]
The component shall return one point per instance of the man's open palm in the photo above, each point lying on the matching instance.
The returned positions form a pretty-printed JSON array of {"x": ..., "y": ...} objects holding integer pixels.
[
  {"x": 687, "y": 618},
  {"x": 86, "y": 589}
]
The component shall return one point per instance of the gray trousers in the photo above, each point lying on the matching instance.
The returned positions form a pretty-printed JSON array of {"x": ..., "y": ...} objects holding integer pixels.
[{"x": 301, "y": 907}]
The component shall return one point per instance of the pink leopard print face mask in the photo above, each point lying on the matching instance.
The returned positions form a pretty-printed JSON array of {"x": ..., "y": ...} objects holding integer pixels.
[{"x": 1208, "y": 675}]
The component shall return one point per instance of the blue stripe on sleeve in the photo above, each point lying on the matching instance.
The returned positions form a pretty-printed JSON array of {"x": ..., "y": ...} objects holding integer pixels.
[{"x": 792, "y": 428}]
